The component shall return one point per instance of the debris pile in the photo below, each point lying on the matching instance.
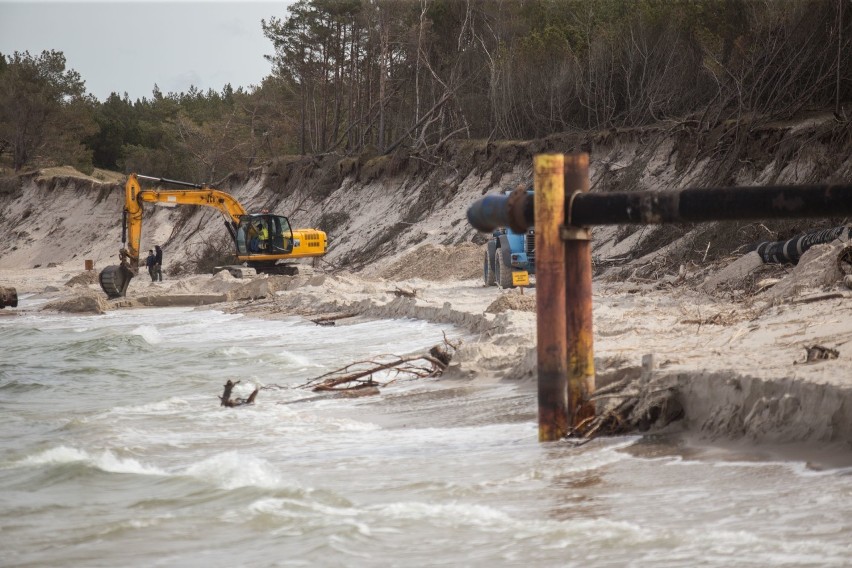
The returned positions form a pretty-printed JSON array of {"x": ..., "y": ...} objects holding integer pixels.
[
  {"x": 83, "y": 279},
  {"x": 518, "y": 302},
  {"x": 630, "y": 406}
]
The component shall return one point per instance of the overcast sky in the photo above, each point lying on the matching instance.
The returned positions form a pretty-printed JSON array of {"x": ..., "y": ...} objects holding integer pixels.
[{"x": 130, "y": 46}]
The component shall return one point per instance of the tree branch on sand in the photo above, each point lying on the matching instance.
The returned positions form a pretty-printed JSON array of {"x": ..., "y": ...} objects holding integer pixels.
[
  {"x": 330, "y": 320},
  {"x": 400, "y": 293}
]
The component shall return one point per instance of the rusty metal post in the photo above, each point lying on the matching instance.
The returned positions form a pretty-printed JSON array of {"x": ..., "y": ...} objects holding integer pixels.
[
  {"x": 578, "y": 300},
  {"x": 550, "y": 297}
]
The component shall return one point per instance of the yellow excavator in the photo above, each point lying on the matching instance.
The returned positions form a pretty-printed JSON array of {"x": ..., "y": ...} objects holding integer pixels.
[{"x": 262, "y": 240}]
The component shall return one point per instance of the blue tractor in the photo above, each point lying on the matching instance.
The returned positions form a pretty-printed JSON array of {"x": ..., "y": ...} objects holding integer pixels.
[{"x": 508, "y": 252}]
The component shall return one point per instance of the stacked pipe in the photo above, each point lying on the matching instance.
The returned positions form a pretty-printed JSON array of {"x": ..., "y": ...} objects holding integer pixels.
[{"x": 791, "y": 250}]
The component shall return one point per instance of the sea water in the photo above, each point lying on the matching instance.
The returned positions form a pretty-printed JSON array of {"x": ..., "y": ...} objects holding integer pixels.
[{"x": 116, "y": 452}]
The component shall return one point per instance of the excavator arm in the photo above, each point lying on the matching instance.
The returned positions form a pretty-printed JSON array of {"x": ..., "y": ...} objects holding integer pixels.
[{"x": 134, "y": 195}]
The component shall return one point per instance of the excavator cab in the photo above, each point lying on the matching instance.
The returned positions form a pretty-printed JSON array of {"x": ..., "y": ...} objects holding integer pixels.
[{"x": 264, "y": 234}]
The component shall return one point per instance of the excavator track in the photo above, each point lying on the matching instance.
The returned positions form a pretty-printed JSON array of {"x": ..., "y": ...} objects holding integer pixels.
[
  {"x": 272, "y": 268},
  {"x": 114, "y": 280}
]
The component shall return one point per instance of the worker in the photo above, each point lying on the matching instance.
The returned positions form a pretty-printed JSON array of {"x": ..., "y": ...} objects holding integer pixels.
[
  {"x": 263, "y": 236},
  {"x": 149, "y": 264},
  {"x": 158, "y": 263}
]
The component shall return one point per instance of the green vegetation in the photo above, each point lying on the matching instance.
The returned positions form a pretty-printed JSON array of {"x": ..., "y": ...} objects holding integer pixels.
[
  {"x": 376, "y": 75},
  {"x": 43, "y": 111}
]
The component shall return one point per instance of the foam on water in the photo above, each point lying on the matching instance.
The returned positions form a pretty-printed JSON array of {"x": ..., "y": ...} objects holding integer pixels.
[
  {"x": 233, "y": 352},
  {"x": 170, "y": 406},
  {"x": 105, "y": 461},
  {"x": 231, "y": 470},
  {"x": 149, "y": 333},
  {"x": 299, "y": 362}
]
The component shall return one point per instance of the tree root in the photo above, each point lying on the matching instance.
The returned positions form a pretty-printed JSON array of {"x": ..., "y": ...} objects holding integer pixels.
[
  {"x": 628, "y": 407},
  {"x": 226, "y": 399}
]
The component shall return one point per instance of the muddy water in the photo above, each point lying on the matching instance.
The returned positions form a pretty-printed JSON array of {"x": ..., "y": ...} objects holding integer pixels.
[{"x": 115, "y": 452}]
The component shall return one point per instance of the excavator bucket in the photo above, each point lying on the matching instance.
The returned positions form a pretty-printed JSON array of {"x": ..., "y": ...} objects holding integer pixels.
[{"x": 114, "y": 280}]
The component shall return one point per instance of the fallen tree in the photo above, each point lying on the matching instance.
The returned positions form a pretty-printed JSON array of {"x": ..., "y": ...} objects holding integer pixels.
[
  {"x": 358, "y": 378},
  {"x": 359, "y": 374}
]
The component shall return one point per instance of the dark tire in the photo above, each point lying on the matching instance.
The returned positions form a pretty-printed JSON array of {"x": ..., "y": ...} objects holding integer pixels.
[
  {"x": 503, "y": 272},
  {"x": 488, "y": 275}
]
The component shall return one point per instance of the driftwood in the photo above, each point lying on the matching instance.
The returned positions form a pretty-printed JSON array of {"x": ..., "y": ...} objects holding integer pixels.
[
  {"x": 226, "y": 399},
  {"x": 400, "y": 293},
  {"x": 359, "y": 374},
  {"x": 357, "y": 379},
  {"x": 816, "y": 353},
  {"x": 330, "y": 320},
  {"x": 819, "y": 298}
]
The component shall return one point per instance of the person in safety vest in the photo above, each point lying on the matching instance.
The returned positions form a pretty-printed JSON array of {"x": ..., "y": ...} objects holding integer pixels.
[{"x": 263, "y": 237}]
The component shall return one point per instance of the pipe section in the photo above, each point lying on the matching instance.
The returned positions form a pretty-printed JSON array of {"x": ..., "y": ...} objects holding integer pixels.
[
  {"x": 684, "y": 206},
  {"x": 791, "y": 250}
]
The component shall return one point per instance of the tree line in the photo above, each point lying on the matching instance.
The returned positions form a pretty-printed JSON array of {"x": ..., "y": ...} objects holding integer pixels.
[{"x": 355, "y": 76}]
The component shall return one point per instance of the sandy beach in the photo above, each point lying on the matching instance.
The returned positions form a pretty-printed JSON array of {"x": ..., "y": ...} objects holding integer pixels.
[{"x": 740, "y": 369}]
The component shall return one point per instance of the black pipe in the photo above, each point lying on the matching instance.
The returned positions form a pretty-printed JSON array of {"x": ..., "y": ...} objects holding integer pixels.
[
  {"x": 492, "y": 211},
  {"x": 791, "y": 250},
  {"x": 685, "y": 206}
]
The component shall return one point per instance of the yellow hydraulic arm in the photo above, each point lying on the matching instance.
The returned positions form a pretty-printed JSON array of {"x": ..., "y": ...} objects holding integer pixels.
[{"x": 134, "y": 195}]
